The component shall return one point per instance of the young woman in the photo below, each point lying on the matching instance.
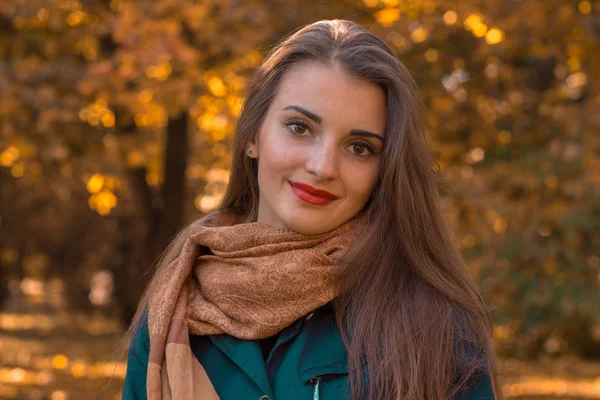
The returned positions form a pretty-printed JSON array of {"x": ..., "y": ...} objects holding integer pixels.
[{"x": 329, "y": 271}]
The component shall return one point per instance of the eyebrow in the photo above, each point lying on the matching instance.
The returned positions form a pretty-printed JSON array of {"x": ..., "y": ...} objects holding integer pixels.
[{"x": 318, "y": 120}]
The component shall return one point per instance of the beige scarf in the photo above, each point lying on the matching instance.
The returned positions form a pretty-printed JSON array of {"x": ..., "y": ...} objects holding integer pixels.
[{"x": 254, "y": 281}]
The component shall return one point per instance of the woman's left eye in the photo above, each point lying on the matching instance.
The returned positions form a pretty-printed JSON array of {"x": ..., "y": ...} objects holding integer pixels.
[{"x": 362, "y": 149}]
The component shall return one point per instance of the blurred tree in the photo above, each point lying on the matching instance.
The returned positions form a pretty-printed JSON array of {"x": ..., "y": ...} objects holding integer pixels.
[{"x": 512, "y": 115}]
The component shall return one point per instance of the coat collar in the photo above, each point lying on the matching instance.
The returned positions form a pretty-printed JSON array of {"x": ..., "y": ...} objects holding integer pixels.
[
  {"x": 323, "y": 351},
  {"x": 247, "y": 355}
]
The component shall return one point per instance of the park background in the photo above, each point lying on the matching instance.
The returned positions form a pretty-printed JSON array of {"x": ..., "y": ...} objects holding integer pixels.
[{"x": 116, "y": 119}]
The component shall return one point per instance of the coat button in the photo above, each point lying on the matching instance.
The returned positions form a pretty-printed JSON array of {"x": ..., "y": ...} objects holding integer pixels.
[{"x": 265, "y": 397}]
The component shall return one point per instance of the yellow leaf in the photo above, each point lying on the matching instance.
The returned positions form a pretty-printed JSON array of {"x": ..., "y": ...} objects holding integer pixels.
[
  {"x": 585, "y": 7},
  {"x": 494, "y": 36},
  {"x": 216, "y": 86},
  {"x": 76, "y": 18},
  {"x": 135, "y": 159},
  {"x": 472, "y": 21},
  {"x": 9, "y": 156},
  {"x": 388, "y": 16},
  {"x": 78, "y": 369},
  {"x": 420, "y": 34},
  {"x": 108, "y": 120},
  {"x": 17, "y": 170},
  {"x": 95, "y": 183},
  {"x": 480, "y": 30},
  {"x": 450, "y": 17},
  {"x": 106, "y": 199},
  {"x": 60, "y": 361},
  {"x": 431, "y": 55},
  {"x": 145, "y": 96}
]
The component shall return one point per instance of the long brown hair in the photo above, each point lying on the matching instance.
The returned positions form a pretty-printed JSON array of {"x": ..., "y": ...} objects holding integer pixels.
[{"x": 408, "y": 310}]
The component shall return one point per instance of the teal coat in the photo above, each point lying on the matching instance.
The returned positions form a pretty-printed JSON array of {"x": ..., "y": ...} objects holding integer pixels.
[{"x": 308, "y": 361}]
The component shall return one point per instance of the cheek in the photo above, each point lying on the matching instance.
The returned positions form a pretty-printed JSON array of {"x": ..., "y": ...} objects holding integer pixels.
[
  {"x": 360, "y": 180},
  {"x": 279, "y": 155}
]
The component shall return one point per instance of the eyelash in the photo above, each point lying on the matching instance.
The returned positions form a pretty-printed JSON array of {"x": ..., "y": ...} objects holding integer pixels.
[{"x": 304, "y": 125}]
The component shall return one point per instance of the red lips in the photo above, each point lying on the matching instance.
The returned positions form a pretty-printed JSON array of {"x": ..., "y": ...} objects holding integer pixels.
[{"x": 312, "y": 195}]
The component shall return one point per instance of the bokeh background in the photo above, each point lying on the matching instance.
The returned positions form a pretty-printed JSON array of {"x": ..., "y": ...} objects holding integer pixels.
[{"x": 116, "y": 120}]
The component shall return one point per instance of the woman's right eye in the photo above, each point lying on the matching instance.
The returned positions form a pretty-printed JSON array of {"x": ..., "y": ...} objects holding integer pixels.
[{"x": 297, "y": 127}]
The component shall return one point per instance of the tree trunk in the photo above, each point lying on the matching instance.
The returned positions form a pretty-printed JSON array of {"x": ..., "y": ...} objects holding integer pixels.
[
  {"x": 162, "y": 218},
  {"x": 173, "y": 188}
]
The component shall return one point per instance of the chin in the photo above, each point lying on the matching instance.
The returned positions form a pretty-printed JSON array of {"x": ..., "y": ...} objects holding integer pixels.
[{"x": 309, "y": 224}]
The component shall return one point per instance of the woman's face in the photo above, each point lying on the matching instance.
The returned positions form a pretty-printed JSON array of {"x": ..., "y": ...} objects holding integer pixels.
[{"x": 324, "y": 131}]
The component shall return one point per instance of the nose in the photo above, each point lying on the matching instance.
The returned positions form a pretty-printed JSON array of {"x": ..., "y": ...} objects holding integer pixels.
[{"x": 322, "y": 161}]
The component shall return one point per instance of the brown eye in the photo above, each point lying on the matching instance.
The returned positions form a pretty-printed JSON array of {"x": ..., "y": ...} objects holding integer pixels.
[
  {"x": 359, "y": 148},
  {"x": 362, "y": 149},
  {"x": 297, "y": 127}
]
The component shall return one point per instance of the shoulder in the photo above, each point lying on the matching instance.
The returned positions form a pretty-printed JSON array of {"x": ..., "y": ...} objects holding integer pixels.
[
  {"x": 479, "y": 387},
  {"x": 137, "y": 361},
  {"x": 472, "y": 374},
  {"x": 140, "y": 338},
  {"x": 471, "y": 368}
]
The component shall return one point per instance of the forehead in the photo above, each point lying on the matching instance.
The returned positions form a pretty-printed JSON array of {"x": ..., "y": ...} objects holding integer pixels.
[{"x": 333, "y": 94}]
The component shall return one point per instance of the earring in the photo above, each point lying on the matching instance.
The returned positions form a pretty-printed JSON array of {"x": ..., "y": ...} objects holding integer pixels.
[{"x": 249, "y": 152}]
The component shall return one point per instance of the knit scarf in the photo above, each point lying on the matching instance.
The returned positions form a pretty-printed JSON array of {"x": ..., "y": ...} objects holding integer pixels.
[{"x": 247, "y": 280}]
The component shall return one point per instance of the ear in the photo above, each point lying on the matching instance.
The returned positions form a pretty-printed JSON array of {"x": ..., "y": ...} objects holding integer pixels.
[{"x": 252, "y": 148}]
